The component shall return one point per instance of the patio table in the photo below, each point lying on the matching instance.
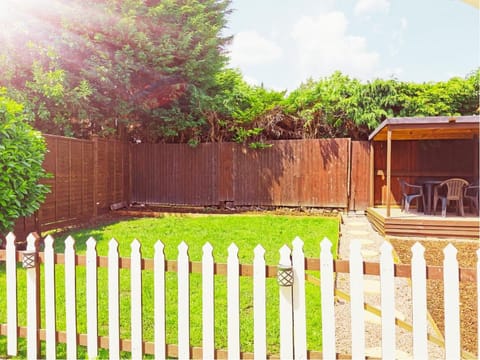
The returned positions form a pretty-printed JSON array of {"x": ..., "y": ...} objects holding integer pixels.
[{"x": 428, "y": 185}]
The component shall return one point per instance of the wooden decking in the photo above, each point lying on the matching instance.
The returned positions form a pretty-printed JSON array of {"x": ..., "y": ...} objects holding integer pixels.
[{"x": 419, "y": 225}]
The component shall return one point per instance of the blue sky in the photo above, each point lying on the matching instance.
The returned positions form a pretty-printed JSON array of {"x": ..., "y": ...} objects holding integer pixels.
[{"x": 282, "y": 43}]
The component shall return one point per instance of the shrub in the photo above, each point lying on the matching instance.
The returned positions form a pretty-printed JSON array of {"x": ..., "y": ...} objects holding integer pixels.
[{"x": 22, "y": 150}]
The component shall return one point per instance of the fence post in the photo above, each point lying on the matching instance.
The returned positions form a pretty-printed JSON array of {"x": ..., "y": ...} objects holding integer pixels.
[
  {"x": 286, "y": 309},
  {"x": 452, "y": 307},
  {"x": 387, "y": 280},
  {"x": 95, "y": 174},
  {"x": 136, "y": 299},
  {"x": 419, "y": 302},
  {"x": 233, "y": 303},
  {"x": 113, "y": 301},
  {"x": 299, "y": 311},
  {"x": 327, "y": 295},
  {"x": 159, "y": 300},
  {"x": 92, "y": 300},
  {"x": 11, "y": 272},
  {"x": 357, "y": 301},
  {"x": 208, "y": 302},
  {"x": 33, "y": 296},
  {"x": 259, "y": 305},
  {"x": 70, "y": 298},
  {"x": 50, "y": 298},
  {"x": 183, "y": 302}
]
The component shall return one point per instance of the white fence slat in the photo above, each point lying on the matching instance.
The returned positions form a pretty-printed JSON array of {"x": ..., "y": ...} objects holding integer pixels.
[
  {"x": 286, "y": 310},
  {"x": 208, "y": 303},
  {"x": 387, "y": 285},
  {"x": 92, "y": 301},
  {"x": 113, "y": 301},
  {"x": 159, "y": 300},
  {"x": 357, "y": 300},
  {"x": 11, "y": 275},
  {"x": 32, "y": 298},
  {"x": 50, "y": 318},
  {"x": 136, "y": 299},
  {"x": 328, "y": 299},
  {"x": 70, "y": 298},
  {"x": 478, "y": 302},
  {"x": 183, "y": 302},
  {"x": 259, "y": 305},
  {"x": 233, "y": 302},
  {"x": 299, "y": 308},
  {"x": 419, "y": 302},
  {"x": 452, "y": 306}
]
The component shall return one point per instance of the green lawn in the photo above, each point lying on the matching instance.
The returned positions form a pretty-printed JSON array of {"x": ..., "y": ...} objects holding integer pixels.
[{"x": 246, "y": 231}]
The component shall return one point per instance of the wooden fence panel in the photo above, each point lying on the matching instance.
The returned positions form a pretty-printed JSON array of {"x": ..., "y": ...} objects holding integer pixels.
[
  {"x": 359, "y": 178},
  {"x": 290, "y": 173}
]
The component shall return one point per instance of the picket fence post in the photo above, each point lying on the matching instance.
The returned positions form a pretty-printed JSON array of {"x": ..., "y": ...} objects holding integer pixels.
[
  {"x": 159, "y": 300},
  {"x": 11, "y": 275},
  {"x": 92, "y": 301},
  {"x": 328, "y": 299},
  {"x": 113, "y": 301},
  {"x": 33, "y": 301},
  {"x": 233, "y": 302},
  {"x": 299, "y": 311},
  {"x": 183, "y": 302},
  {"x": 451, "y": 299},
  {"x": 50, "y": 318},
  {"x": 419, "y": 302},
  {"x": 387, "y": 281},
  {"x": 136, "y": 322},
  {"x": 259, "y": 305},
  {"x": 208, "y": 303},
  {"x": 357, "y": 300},
  {"x": 286, "y": 309},
  {"x": 70, "y": 298}
]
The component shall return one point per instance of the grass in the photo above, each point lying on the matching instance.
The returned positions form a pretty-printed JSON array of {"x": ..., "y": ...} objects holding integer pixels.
[{"x": 246, "y": 231}]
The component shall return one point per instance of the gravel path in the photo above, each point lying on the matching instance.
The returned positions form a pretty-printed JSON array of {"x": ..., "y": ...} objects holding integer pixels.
[{"x": 358, "y": 228}]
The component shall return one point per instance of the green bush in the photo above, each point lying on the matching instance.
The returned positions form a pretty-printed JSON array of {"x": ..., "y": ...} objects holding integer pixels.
[{"x": 22, "y": 150}]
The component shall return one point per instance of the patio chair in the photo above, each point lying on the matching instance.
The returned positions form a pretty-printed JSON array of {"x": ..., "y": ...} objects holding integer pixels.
[
  {"x": 410, "y": 192},
  {"x": 449, "y": 190},
  {"x": 472, "y": 194}
]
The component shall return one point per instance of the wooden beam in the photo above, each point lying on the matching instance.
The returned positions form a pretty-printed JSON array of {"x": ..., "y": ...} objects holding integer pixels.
[
  {"x": 371, "y": 195},
  {"x": 389, "y": 168}
]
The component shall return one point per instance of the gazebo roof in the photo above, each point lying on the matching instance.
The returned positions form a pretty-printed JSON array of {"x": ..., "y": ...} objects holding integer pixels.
[{"x": 428, "y": 128}]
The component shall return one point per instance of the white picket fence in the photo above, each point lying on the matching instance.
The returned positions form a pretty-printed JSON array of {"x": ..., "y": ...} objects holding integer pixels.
[{"x": 292, "y": 308}]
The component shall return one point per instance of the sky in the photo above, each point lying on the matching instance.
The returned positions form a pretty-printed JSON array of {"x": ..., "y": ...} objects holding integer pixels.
[{"x": 282, "y": 43}]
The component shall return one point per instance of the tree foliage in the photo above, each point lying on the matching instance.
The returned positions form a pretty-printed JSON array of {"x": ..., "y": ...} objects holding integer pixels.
[
  {"x": 85, "y": 66},
  {"x": 22, "y": 150},
  {"x": 156, "y": 70}
]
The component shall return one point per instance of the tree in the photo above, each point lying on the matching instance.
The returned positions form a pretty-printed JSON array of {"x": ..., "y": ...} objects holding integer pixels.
[
  {"x": 86, "y": 66},
  {"x": 22, "y": 150}
]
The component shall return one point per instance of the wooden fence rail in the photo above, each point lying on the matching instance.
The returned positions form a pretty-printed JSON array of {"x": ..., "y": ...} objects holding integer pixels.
[{"x": 292, "y": 303}]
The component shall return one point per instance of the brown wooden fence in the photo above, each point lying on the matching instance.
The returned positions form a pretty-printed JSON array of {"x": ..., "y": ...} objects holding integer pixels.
[
  {"x": 290, "y": 173},
  {"x": 87, "y": 177},
  {"x": 90, "y": 175}
]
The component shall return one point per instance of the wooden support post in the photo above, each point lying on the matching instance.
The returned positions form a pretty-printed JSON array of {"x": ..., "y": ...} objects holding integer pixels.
[
  {"x": 95, "y": 175},
  {"x": 389, "y": 169},
  {"x": 475, "y": 157},
  {"x": 371, "y": 197}
]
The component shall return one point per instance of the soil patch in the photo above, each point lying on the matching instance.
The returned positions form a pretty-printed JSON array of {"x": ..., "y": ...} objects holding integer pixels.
[{"x": 467, "y": 258}]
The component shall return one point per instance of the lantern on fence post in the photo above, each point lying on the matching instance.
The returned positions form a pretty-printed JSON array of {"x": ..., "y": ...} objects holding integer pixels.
[
  {"x": 29, "y": 259},
  {"x": 285, "y": 275}
]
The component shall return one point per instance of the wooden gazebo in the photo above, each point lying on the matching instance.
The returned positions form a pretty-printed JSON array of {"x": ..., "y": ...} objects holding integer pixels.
[{"x": 420, "y": 148}]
